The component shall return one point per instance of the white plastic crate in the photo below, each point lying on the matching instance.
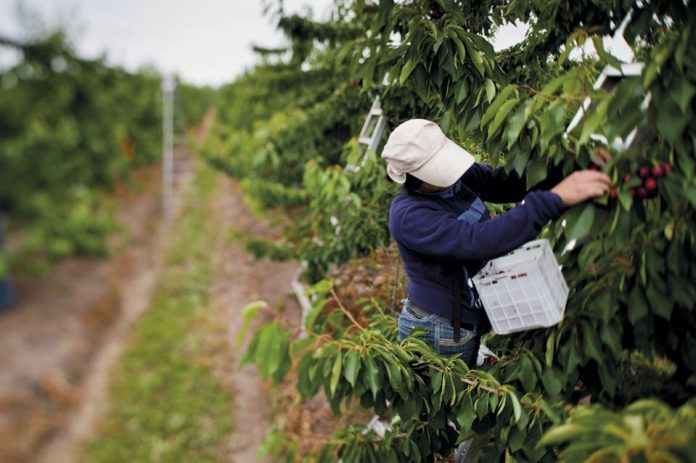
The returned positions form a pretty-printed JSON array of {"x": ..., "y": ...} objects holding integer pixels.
[{"x": 524, "y": 289}]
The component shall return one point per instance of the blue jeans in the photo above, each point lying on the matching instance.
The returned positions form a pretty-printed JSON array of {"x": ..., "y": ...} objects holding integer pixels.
[
  {"x": 7, "y": 297},
  {"x": 439, "y": 333}
]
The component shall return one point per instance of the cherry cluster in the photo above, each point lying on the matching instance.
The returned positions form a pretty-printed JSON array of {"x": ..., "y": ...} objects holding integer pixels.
[{"x": 648, "y": 176}]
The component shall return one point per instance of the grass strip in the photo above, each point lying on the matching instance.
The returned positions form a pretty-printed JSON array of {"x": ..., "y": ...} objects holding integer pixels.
[{"x": 167, "y": 405}]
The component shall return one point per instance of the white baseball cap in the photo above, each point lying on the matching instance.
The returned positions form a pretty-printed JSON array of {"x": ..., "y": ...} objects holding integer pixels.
[{"x": 418, "y": 147}]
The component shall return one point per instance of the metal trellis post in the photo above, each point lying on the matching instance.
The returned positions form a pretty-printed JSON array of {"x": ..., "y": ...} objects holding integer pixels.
[{"x": 167, "y": 145}]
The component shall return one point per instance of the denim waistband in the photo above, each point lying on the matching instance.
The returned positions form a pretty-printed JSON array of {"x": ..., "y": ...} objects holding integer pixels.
[{"x": 418, "y": 312}]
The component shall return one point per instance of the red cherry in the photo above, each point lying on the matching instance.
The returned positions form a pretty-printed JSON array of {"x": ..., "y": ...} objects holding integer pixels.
[
  {"x": 594, "y": 168},
  {"x": 642, "y": 192},
  {"x": 650, "y": 184},
  {"x": 627, "y": 178},
  {"x": 613, "y": 193},
  {"x": 644, "y": 171},
  {"x": 667, "y": 166},
  {"x": 632, "y": 191},
  {"x": 657, "y": 171}
]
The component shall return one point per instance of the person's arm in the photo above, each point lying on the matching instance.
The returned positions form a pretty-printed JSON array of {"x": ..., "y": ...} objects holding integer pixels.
[
  {"x": 498, "y": 186},
  {"x": 440, "y": 235}
]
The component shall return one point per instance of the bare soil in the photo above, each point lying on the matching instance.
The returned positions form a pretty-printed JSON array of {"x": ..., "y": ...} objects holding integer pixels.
[
  {"x": 240, "y": 280},
  {"x": 49, "y": 342}
]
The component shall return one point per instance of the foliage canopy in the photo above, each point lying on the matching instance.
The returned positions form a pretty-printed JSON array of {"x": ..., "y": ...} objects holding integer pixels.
[{"x": 615, "y": 380}]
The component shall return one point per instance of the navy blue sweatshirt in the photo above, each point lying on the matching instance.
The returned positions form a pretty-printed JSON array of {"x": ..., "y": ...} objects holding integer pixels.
[{"x": 433, "y": 240}]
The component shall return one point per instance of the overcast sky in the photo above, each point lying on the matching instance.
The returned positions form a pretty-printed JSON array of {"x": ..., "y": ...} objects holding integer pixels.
[{"x": 206, "y": 42}]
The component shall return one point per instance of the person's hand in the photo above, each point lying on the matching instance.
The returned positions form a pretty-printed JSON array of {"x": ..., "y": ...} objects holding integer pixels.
[{"x": 581, "y": 186}]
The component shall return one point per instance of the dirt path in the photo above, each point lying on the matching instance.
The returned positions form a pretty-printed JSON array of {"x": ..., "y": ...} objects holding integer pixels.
[
  {"x": 95, "y": 387},
  {"x": 50, "y": 341},
  {"x": 240, "y": 280}
]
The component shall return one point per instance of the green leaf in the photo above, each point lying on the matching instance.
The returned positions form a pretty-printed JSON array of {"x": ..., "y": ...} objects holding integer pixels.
[
  {"x": 589, "y": 253},
  {"x": 660, "y": 304},
  {"x": 460, "y": 48},
  {"x": 304, "y": 383},
  {"x": 527, "y": 374},
  {"x": 606, "y": 371},
  {"x": 605, "y": 305},
  {"x": 562, "y": 433},
  {"x": 436, "y": 381},
  {"x": 518, "y": 121},
  {"x": 407, "y": 70},
  {"x": 352, "y": 367},
  {"x": 593, "y": 121},
  {"x": 637, "y": 306},
  {"x": 550, "y": 348},
  {"x": 550, "y": 88},
  {"x": 250, "y": 352},
  {"x": 626, "y": 200},
  {"x": 572, "y": 84},
  {"x": 686, "y": 161},
  {"x": 390, "y": 54},
  {"x": 335, "y": 373},
  {"x": 481, "y": 406},
  {"x": 407, "y": 408},
  {"x": 611, "y": 337},
  {"x": 500, "y": 116},
  {"x": 474, "y": 118},
  {"x": 268, "y": 350},
  {"x": 690, "y": 194},
  {"x": 476, "y": 59},
  {"x": 515, "y": 442},
  {"x": 249, "y": 312},
  {"x": 516, "y": 407},
  {"x": 671, "y": 121},
  {"x": 592, "y": 346},
  {"x": 374, "y": 376},
  {"x": 301, "y": 345},
  {"x": 649, "y": 74},
  {"x": 536, "y": 172},
  {"x": 682, "y": 92},
  {"x": 461, "y": 90},
  {"x": 681, "y": 48},
  {"x": 552, "y": 123},
  {"x": 552, "y": 383},
  {"x": 415, "y": 451},
  {"x": 466, "y": 413},
  {"x": 572, "y": 357},
  {"x": 579, "y": 221},
  {"x": 284, "y": 361},
  {"x": 553, "y": 414},
  {"x": 490, "y": 89},
  {"x": 499, "y": 100},
  {"x": 394, "y": 375}
]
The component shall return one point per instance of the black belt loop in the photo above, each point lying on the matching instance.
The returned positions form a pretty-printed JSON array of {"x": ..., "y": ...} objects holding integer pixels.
[
  {"x": 457, "y": 305},
  {"x": 474, "y": 353}
]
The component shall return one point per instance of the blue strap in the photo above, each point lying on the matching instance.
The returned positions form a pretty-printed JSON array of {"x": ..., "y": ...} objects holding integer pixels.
[
  {"x": 472, "y": 216},
  {"x": 474, "y": 213}
]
